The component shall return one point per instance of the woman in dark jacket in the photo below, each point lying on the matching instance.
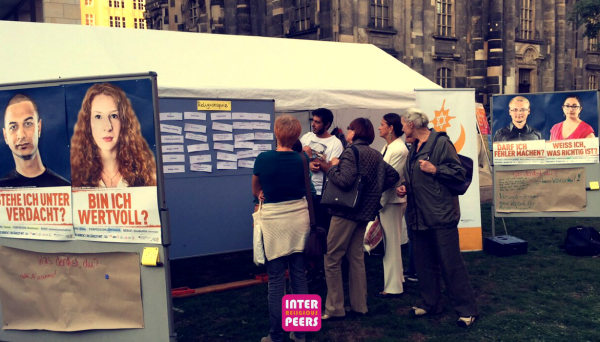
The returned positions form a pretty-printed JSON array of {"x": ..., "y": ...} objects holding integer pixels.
[
  {"x": 347, "y": 229},
  {"x": 433, "y": 214}
]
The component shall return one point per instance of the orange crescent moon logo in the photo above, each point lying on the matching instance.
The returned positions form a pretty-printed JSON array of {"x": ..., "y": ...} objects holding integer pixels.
[{"x": 460, "y": 143}]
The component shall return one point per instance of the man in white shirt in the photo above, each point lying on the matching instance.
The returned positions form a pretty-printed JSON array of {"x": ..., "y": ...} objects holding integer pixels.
[{"x": 320, "y": 144}]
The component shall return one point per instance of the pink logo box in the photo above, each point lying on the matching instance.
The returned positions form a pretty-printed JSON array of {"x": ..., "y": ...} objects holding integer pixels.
[{"x": 301, "y": 313}]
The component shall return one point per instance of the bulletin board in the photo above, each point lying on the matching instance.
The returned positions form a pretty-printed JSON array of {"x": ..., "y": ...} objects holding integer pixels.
[
  {"x": 76, "y": 264},
  {"x": 209, "y": 187},
  {"x": 553, "y": 175}
]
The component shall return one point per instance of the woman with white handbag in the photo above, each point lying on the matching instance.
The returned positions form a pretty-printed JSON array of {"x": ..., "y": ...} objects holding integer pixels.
[{"x": 278, "y": 181}]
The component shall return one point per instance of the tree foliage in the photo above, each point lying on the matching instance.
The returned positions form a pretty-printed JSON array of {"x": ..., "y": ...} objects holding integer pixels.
[{"x": 587, "y": 13}]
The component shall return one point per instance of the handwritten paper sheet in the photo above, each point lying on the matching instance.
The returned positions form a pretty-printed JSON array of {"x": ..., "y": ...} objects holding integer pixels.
[
  {"x": 172, "y": 148},
  {"x": 197, "y": 137},
  {"x": 170, "y": 116},
  {"x": 262, "y": 147},
  {"x": 173, "y": 168},
  {"x": 70, "y": 292},
  {"x": 245, "y": 154},
  {"x": 201, "y": 167},
  {"x": 263, "y": 136},
  {"x": 171, "y": 139},
  {"x": 261, "y": 125},
  {"x": 540, "y": 190},
  {"x": 164, "y": 128},
  {"x": 244, "y": 144},
  {"x": 261, "y": 117},
  {"x": 194, "y": 115},
  {"x": 226, "y": 156},
  {"x": 197, "y": 147},
  {"x": 204, "y": 158},
  {"x": 241, "y": 116},
  {"x": 173, "y": 158},
  {"x": 226, "y": 165},
  {"x": 220, "y": 116},
  {"x": 223, "y": 147},
  {"x": 194, "y": 128},
  {"x": 222, "y": 137},
  {"x": 242, "y": 125},
  {"x": 218, "y": 126},
  {"x": 244, "y": 137},
  {"x": 248, "y": 164}
]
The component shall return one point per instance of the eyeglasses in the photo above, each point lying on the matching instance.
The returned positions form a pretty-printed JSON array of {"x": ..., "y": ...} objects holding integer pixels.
[
  {"x": 571, "y": 107},
  {"x": 516, "y": 110}
]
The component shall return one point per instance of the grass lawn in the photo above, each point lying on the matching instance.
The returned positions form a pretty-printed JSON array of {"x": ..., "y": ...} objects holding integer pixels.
[{"x": 544, "y": 295}]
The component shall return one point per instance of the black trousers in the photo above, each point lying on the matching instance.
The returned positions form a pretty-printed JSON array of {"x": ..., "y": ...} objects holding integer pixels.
[
  {"x": 322, "y": 217},
  {"x": 437, "y": 255}
]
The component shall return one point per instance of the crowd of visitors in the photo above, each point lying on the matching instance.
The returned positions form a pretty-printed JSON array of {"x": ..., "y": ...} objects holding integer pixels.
[{"x": 402, "y": 183}]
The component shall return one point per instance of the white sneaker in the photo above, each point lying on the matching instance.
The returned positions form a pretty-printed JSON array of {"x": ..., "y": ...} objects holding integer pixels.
[
  {"x": 465, "y": 322},
  {"x": 418, "y": 312}
]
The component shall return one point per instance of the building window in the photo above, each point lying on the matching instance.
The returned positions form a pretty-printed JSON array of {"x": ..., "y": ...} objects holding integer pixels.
[
  {"x": 139, "y": 5},
  {"x": 592, "y": 82},
  {"x": 527, "y": 19},
  {"x": 123, "y": 22},
  {"x": 302, "y": 17},
  {"x": 194, "y": 10},
  {"x": 380, "y": 14},
  {"x": 89, "y": 2},
  {"x": 112, "y": 23},
  {"x": 444, "y": 10},
  {"x": 89, "y": 20},
  {"x": 142, "y": 24},
  {"x": 117, "y": 21},
  {"x": 139, "y": 23},
  {"x": 444, "y": 77},
  {"x": 110, "y": 3},
  {"x": 524, "y": 81},
  {"x": 593, "y": 44}
]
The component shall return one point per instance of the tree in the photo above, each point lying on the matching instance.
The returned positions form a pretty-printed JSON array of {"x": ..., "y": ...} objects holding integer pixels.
[{"x": 587, "y": 13}]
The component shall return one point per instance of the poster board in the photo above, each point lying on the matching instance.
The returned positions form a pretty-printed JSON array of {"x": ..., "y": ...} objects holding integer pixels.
[
  {"x": 445, "y": 109},
  {"x": 55, "y": 147},
  {"x": 211, "y": 212},
  {"x": 551, "y": 151}
]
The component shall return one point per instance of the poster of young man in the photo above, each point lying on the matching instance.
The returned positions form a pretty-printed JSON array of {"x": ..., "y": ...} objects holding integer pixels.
[
  {"x": 113, "y": 161},
  {"x": 35, "y": 187},
  {"x": 549, "y": 128}
]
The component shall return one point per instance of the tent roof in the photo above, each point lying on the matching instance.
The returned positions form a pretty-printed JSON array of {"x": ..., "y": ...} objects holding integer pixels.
[{"x": 298, "y": 74}]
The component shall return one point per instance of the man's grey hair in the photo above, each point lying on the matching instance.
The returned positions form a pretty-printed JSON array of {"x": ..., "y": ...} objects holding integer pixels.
[{"x": 416, "y": 116}]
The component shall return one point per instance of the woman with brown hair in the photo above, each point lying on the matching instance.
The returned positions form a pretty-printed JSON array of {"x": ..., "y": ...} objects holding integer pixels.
[
  {"x": 107, "y": 147},
  {"x": 347, "y": 228}
]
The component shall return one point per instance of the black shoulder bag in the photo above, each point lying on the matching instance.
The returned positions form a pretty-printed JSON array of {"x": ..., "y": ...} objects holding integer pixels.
[
  {"x": 456, "y": 188},
  {"x": 333, "y": 196},
  {"x": 316, "y": 244}
]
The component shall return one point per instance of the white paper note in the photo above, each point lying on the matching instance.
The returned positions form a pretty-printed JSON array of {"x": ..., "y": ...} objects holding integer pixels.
[
  {"x": 218, "y": 126},
  {"x": 173, "y": 158},
  {"x": 249, "y": 164},
  {"x": 263, "y": 136},
  {"x": 244, "y": 144},
  {"x": 222, "y": 137},
  {"x": 172, "y": 148},
  {"x": 170, "y": 116},
  {"x": 225, "y": 165},
  {"x": 261, "y": 117},
  {"x": 261, "y": 125},
  {"x": 173, "y": 168},
  {"x": 242, "y": 125},
  {"x": 194, "y": 115},
  {"x": 226, "y": 156},
  {"x": 244, "y": 137},
  {"x": 220, "y": 116},
  {"x": 223, "y": 147},
  {"x": 197, "y": 137},
  {"x": 241, "y": 116},
  {"x": 262, "y": 147},
  {"x": 203, "y": 158},
  {"x": 194, "y": 128},
  {"x": 197, "y": 147},
  {"x": 170, "y": 129},
  {"x": 201, "y": 167},
  {"x": 171, "y": 139},
  {"x": 245, "y": 154}
]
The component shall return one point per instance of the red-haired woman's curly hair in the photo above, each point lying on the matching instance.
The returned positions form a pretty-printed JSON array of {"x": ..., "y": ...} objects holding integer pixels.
[{"x": 134, "y": 157}]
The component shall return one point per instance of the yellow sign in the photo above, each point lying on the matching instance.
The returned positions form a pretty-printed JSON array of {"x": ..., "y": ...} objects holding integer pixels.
[
  {"x": 214, "y": 105},
  {"x": 594, "y": 186},
  {"x": 150, "y": 256}
]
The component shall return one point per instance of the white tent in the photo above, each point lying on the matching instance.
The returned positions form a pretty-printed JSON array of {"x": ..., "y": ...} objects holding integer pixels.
[{"x": 298, "y": 74}]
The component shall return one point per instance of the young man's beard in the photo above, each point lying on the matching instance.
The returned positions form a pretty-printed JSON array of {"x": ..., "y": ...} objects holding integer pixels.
[{"x": 28, "y": 156}]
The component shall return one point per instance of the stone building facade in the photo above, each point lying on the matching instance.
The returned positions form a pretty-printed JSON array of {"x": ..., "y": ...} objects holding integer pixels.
[
  {"x": 494, "y": 46},
  {"x": 44, "y": 11}
]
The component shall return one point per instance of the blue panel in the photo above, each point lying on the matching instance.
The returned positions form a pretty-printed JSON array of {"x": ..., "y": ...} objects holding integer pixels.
[{"x": 211, "y": 212}]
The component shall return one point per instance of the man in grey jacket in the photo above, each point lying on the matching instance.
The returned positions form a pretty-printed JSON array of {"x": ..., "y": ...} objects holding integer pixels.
[{"x": 433, "y": 214}]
